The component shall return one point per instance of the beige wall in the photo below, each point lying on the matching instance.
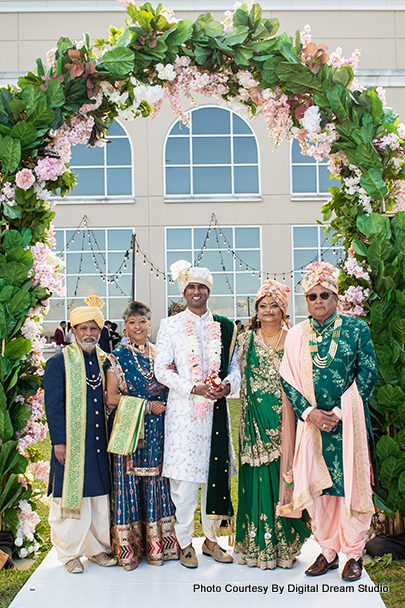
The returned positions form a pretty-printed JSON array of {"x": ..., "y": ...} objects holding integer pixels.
[{"x": 380, "y": 35}]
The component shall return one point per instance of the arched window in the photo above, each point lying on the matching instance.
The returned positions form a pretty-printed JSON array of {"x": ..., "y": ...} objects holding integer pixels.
[
  {"x": 104, "y": 172},
  {"x": 309, "y": 178},
  {"x": 216, "y": 156}
]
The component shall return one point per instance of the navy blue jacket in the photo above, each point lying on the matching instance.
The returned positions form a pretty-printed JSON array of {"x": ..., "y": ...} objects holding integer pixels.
[{"x": 96, "y": 466}]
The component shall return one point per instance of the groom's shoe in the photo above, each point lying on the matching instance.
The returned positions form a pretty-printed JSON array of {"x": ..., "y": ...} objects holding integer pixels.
[
  {"x": 321, "y": 566},
  {"x": 218, "y": 553}
]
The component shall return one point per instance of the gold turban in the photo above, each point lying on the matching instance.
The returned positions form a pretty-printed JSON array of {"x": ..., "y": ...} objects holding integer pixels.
[{"x": 91, "y": 312}]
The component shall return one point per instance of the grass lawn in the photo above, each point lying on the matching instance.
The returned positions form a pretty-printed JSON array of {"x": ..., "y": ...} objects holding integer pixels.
[{"x": 382, "y": 572}]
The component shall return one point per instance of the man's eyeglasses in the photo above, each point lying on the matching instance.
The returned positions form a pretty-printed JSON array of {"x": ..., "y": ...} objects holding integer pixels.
[{"x": 314, "y": 296}]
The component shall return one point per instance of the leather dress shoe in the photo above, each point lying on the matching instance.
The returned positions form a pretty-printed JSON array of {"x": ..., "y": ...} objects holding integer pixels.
[
  {"x": 321, "y": 566},
  {"x": 352, "y": 570}
]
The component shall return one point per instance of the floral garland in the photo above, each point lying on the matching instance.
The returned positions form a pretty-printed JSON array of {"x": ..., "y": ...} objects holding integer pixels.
[{"x": 202, "y": 405}]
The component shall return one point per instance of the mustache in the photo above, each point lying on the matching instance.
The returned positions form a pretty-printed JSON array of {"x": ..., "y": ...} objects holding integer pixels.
[{"x": 88, "y": 342}]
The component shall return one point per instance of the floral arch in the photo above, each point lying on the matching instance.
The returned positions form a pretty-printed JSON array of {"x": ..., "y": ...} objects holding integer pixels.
[{"x": 300, "y": 91}]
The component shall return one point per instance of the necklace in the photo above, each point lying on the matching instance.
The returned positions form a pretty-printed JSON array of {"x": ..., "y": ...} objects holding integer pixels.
[
  {"x": 319, "y": 338},
  {"x": 323, "y": 362},
  {"x": 94, "y": 383},
  {"x": 140, "y": 347},
  {"x": 269, "y": 335},
  {"x": 149, "y": 375},
  {"x": 271, "y": 349}
]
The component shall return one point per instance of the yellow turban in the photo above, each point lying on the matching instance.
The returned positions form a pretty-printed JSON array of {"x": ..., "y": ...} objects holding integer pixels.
[{"x": 91, "y": 312}]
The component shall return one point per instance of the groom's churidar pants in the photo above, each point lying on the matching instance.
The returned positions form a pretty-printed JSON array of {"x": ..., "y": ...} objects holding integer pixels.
[
  {"x": 185, "y": 499},
  {"x": 89, "y": 535},
  {"x": 334, "y": 531}
]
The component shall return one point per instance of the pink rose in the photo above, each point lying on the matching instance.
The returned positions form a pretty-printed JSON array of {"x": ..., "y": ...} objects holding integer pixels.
[{"x": 24, "y": 179}]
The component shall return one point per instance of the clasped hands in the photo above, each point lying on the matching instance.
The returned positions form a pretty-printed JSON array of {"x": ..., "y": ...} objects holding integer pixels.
[
  {"x": 212, "y": 393},
  {"x": 324, "y": 421}
]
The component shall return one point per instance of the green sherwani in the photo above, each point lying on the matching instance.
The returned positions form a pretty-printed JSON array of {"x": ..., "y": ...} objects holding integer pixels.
[{"x": 354, "y": 361}]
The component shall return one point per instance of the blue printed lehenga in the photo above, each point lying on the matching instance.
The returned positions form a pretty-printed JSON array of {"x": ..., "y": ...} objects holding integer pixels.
[{"x": 142, "y": 509}]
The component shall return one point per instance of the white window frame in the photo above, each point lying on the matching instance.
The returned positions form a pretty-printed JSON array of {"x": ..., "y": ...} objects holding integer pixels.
[
  {"x": 225, "y": 197},
  {"x": 235, "y": 267},
  {"x": 304, "y": 196},
  {"x": 66, "y": 299},
  {"x": 78, "y": 199}
]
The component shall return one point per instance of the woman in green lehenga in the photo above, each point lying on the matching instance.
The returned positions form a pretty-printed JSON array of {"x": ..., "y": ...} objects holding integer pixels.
[{"x": 264, "y": 539}]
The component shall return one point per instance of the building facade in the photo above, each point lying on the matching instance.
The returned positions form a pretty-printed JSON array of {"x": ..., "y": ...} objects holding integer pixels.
[{"x": 215, "y": 193}]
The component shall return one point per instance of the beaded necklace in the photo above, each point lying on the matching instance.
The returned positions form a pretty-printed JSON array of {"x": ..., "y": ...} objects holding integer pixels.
[
  {"x": 323, "y": 362},
  {"x": 94, "y": 383},
  {"x": 150, "y": 374}
]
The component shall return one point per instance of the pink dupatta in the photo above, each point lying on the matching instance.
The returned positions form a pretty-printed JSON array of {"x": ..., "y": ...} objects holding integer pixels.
[{"x": 302, "y": 460}]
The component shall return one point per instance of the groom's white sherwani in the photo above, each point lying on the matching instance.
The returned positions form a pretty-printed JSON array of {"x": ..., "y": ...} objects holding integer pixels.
[{"x": 187, "y": 436}]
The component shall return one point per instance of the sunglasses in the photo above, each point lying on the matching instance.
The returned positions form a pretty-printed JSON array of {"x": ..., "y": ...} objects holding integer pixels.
[{"x": 314, "y": 296}]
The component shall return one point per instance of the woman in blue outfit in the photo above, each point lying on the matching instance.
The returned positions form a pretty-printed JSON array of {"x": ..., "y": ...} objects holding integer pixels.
[{"x": 142, "y": 510}]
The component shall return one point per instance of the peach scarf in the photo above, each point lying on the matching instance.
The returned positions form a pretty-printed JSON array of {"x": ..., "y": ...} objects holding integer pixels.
[{"x": 304, "y": 462}]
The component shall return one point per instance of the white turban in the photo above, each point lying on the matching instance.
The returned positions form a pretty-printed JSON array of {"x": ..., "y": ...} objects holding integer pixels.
[{"x": 185, "y": 273}]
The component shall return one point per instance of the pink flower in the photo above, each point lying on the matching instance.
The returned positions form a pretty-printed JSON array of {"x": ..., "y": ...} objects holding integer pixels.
[
  {"x": 353, "y": 268},
  {"x": 214, "y": 331},
  {"x": 24, "y": 179},
  {"x": 49, "y": 169}
]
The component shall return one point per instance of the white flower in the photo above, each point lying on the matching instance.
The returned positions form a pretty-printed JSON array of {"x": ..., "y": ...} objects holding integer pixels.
[
  {"x": 114, "y": 96},
  {"x": 126, "y": 114},
  {"x": 267, "y": 535},
  {"x": 23, "y": 552},
  {"x": 18, "y": 541},
  {"x": 123, "y": 97},
  {"x": 252, "y": 534},
  {"x": 153, "y": 94},
  {"x": 25, "y": 507},
  {"x": 312, "y": 119},
  {"x": 352, "y": 185},
  {"x": 246, "y": 79},
  {"x": 401, "y": 130}
]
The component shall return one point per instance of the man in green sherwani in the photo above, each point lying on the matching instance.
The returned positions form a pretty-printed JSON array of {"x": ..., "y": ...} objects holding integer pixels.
[{"x": 329, "y": 373}]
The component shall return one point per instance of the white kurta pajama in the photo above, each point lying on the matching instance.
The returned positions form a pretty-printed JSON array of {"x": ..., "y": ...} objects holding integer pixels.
[{"x": 187, "y": 437}]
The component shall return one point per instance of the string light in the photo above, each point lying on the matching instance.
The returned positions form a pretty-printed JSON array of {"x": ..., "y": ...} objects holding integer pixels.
[{"x": 213, "y": 227}]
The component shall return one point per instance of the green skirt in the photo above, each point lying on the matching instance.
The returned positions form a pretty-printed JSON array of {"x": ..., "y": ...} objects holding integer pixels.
[{"x": 264, "y": 539}]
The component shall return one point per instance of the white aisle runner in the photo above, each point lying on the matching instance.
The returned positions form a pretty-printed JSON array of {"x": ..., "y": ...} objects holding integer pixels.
[{"x": 173, "y": 586}]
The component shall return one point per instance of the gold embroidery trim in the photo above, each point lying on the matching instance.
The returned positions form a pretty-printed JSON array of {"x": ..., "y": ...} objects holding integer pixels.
[{"x": 360, "y": 466}]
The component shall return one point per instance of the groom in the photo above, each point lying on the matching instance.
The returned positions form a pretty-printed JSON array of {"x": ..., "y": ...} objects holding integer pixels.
[{"x": 197, "y": 448}]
